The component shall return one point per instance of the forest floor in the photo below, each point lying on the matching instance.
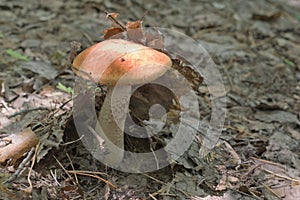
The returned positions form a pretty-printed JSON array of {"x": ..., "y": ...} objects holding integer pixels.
[{"x": 256, "y": 45}]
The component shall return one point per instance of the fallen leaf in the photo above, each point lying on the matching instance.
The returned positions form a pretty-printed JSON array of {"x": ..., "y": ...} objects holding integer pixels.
[
  {"x": 194, "y": 78},
  {"x": 113, "y": 15},
  {"x": 264, "y": 17},
  {"x": 292, "y": 193},
  {"x": 277, "y": 116},
  {"x": 111, "y": 31},
  {"x": 44, "y": 69},
  {"x": 18, "y": 144},
  {"x": 154, "y": 39},
  {"x": 134, "y": 25}
]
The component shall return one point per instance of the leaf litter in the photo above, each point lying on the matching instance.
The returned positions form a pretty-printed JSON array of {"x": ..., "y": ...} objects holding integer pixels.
[{"x": 257, "y": 45}]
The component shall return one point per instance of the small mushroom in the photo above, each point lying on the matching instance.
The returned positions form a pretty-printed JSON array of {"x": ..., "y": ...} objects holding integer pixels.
[{"x": 119, "y": 64}]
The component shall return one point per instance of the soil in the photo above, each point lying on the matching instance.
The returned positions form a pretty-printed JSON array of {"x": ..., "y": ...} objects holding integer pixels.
[{"x": 256, "y": 46}]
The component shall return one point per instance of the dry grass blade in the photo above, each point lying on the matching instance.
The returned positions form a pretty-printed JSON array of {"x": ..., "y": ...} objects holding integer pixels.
[
  {"x": 21, "y": 166},
  {"x": 76, "y": 179},
  {"x": 270, "y": 190},
  {"x": 66, "y": 171},
  {"x": 28, "y": 190},
  {"x": 268, "y": 162},
  {"x": 91, "y": 174},
  {"x": 236, "y": 157},
  {"x": 163, "y": 183},
  {"x": 280, "y": 176}
]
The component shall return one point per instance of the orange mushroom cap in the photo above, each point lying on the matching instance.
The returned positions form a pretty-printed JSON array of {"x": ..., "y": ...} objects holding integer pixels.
[{"x": 116, "y": 60}]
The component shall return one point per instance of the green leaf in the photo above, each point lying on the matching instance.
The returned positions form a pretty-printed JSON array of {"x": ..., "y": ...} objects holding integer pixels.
[
  {"x": 63, "y": 88},
  {"x": 288, "y": 62},
  {"x": 16, "y": 55}
]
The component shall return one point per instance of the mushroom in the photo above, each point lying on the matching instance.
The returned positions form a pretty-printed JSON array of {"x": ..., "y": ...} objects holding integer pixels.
[{"x": 119, "y": 64}]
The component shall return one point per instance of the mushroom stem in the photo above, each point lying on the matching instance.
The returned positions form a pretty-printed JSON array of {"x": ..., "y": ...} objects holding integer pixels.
[{"x": 112, "y": 121}]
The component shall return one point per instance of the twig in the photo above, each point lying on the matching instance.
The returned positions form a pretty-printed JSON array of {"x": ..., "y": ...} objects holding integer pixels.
[
  {"x": 76, "y": 179},
  {"x": 85, "y": 34},
  {"x": 151, "y": 148},
  {"x": 108, "y": 15},
  {"x": 144, "y": 15},
  {"x": 280, "y": 176},
  {"x": 26, "y": 111},
  {"x": 87, "y": 172},
  {"x": 268, "y": 162},
  {"x": 21, "y": 166},
  {"x": 54, "y": 177},
  {"x": 31, "y": 167},
  {"x": 66, "y": 171},
  {"x": 4, "y": 104},
  {"x": 233, "y": 153},
  {"x": 85, "y": 73},
  {"x": 254, "y": 195},
  {"x": 163, "y": 183},
  {"x": 75, "y": 46},
  {"x": 152, "y": 197},
  {"x": 94, "y": 176},
  {"x": 71, "y": 142},
  {"x": 270, "y": 190},
  {"x": 61, "y": 106}
]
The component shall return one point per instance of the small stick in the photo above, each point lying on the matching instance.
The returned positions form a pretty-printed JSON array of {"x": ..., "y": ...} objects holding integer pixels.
[
  {"x": 66, "y": 171},
  {"x": 280, "y": 176},
  {"x": 75, "y": 46},
  {"x": 87, "y": 172},
  {"x": 268, "y": 162},
  {"x": 163, "y": 183},
  {"x": 88, "y": 37},
  {"x": 108, "y": 15},
  {"x": 71, "y": 142},
  {"x": 152, "y": 197},
  {"x": 26, "y": 111},
  {"x": 21, "y": 166},
  {"x": 270, "y": 190},
  {"x": 31, "y": 167},
  {"x": 94, "y": 176},
  {"x": 65, "y": 103},
  {"x": 76, "y": 179}
]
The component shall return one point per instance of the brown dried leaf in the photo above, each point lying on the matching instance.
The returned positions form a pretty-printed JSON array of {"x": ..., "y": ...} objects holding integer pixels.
[
  {"x": 111, "y": 31},
  {"x": 265, "y": 17},
  {"x": 136, "y": 35},
  {"x": 134, "y": 25},
  {"x": 194, "y": 78},
  {"x": 18, "y": 145},
  {"x": 113, "y": 15},
  {"x": 154, "y": 39}
]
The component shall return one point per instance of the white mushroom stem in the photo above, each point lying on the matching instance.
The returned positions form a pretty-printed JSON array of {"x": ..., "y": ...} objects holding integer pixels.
[{"x": 112, "y": 121}]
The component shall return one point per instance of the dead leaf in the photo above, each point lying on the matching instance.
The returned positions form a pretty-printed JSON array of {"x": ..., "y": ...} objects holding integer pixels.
[
  {"x": 265, "y": 17},
  {"x": 194, "y": 78},
  {"x": 111, "y": 31},
  {"x": 293, "y": 193},
  {"x": 136, "y": 35},
  {"x": 295, "y": 134},
  {"x": 277, "y": 116},
  {"x": 19, "y": 144},
  {"x": 134, "y": 25},
  {"x": 154, "y": 39},
  {"x": 44, "y": 69},
  {"x": 113, "y": 15}
]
